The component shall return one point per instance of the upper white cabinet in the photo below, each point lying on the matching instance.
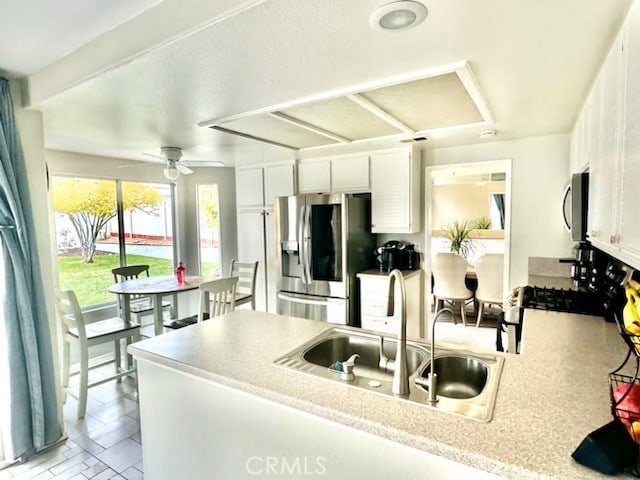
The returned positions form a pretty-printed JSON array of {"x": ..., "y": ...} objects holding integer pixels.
[
  {"x": 257, "y": 186},
  {"x": 249, "y": 187},
  {"x": 395, "y": 191},
  {"x": 314, "y": 177},
  {"x": 278, "y": 182},
  {"x": 614, "y": 147},
  {"x": 350, "y": 174},
  {"x": 344, "y": 174}
]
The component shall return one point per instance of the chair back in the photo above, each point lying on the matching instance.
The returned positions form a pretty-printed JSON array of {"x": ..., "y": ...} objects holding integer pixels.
[
  {"x": 129, "y": 272},
  {"x": 489, "y": 270},
  {"x": 449, "y": 271},
  {"x": 217, "y": 297},
  {"x": 246, "y": 273},
  {"x": 69, "y": 313}
]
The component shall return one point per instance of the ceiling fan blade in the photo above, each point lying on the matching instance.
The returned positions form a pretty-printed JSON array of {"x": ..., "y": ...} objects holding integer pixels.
[
  {"x": 153, "y": 156},
  {"x": 184, "y": 170},
  {"x": 202, "y": 163},
  {"x": 134, "y": 165}
]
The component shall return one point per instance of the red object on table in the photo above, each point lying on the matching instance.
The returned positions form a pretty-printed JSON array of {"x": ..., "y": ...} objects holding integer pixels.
[{"x": 180, "y": 273}]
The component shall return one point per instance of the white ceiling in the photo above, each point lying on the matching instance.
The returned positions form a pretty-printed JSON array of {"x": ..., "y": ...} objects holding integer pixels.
[{"x": 150, "y": 81}]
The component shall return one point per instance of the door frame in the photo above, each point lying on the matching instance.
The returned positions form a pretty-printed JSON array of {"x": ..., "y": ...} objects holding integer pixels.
[{"x": 506, "y": 165}]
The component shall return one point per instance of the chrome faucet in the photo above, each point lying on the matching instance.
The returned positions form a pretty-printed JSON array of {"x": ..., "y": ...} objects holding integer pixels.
[
  {"x": 432, "y": 378},
  {"x": 400, "y": 384}
]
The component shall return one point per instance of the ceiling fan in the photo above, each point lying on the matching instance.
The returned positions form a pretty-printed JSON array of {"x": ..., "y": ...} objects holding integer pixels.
[{"x": 170, "y": 157}]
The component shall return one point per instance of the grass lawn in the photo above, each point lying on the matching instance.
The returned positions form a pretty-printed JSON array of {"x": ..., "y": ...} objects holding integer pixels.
[{"x": 91, "y": 280}]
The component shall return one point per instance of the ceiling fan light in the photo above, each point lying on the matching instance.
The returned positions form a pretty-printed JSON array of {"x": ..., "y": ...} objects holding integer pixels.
[
  {"x": 398, "y": 16},
  {"x": 171, "y": 173}
]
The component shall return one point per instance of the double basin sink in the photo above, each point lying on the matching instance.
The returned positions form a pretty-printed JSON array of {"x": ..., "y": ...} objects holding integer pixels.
[{"x": 467, "y": 381}]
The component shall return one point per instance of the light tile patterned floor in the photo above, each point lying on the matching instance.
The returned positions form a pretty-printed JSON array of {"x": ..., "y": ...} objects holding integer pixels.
[{"x": 104, "y": 445}]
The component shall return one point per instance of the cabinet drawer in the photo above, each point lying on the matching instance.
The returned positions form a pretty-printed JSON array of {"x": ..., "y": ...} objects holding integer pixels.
[{"x": 380, "y": 324}]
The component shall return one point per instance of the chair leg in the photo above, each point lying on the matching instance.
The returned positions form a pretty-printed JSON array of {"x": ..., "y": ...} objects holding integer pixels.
[
  {"x": 480, "y": 308},
  {"x": 117, "y": 358},
  {"x": 65, "y": 363},
  {"x": 463, "y": 314},
  {"x": 84, "y": 381}
]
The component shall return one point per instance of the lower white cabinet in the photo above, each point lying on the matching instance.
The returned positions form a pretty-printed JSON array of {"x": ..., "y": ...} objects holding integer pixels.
[{"x": 374, "y": 297}]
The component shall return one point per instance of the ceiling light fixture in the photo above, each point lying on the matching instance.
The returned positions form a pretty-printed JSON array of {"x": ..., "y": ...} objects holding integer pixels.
[
  {"x": 398, "y": 16},
  {"x": 171, "y": 172}
]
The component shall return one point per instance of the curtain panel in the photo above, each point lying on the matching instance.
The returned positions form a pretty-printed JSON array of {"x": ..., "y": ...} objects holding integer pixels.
[{"x": 31, "y": 421}]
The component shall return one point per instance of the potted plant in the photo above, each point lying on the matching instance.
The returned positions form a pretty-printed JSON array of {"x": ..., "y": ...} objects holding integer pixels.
[
  {"x": 482, "y": 223},
  {"x": 457, "y": 232}
]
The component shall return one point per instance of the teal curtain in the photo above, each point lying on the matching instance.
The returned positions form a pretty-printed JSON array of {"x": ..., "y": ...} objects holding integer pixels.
[{"x": 25, "y": 350}]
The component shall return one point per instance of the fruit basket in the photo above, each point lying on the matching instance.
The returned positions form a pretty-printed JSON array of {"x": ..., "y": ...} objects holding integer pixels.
[{"x": 625, "y": 402}]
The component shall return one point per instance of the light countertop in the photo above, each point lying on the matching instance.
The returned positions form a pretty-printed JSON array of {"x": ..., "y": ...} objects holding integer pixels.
[
  {"x": 374, "y": 272},
  {"x": 550, "y": 397}
]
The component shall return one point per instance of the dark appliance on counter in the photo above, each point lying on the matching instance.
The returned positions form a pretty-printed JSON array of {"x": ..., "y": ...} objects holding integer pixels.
[
  {"x": 396, "y": 254},
  {"x": 575, "y": 205},
  {"x": 322, "y": 241}
]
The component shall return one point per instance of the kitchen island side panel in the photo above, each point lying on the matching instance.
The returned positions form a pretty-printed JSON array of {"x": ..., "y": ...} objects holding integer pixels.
[{"x": 197, "y": 429}]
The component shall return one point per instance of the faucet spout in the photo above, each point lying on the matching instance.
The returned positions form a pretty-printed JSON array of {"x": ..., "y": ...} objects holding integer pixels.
[
  {"x": 400, "y": 384},
  {"x": 432, "y": 379}
]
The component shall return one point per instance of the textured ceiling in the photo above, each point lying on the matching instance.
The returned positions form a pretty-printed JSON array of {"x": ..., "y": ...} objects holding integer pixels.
[{"x": 129, "y": 92}]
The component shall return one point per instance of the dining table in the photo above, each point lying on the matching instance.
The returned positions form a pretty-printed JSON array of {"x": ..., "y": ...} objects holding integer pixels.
[{"x": 156, "y": 287}]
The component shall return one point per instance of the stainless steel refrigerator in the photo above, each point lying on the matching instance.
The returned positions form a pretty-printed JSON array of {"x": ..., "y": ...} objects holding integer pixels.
[{"x": 322, "y": 241}]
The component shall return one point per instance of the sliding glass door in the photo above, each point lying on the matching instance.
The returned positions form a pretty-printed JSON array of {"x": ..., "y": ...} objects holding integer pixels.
[{"x": 102, "y": 224}]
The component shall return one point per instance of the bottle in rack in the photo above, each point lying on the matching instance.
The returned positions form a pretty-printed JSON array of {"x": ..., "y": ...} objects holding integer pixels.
[{"x": 180, "y": 273}]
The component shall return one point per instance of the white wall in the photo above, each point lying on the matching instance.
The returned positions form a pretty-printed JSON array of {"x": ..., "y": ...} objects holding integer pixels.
[
  {"x": 461, "y": 201},
  {"x": 539, "y": 174}
]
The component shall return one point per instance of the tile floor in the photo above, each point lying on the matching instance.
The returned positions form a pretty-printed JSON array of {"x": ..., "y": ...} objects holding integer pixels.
[{"x": 104, "y": 445}]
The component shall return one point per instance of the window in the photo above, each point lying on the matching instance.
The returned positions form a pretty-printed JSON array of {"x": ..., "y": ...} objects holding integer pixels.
[
  {"x": 90, "y": 241},
  {"x": 209, "y": 230}
]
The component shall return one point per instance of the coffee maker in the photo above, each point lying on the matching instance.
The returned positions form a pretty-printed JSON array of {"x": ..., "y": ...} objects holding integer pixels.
[{"x": 396, "y": 254}]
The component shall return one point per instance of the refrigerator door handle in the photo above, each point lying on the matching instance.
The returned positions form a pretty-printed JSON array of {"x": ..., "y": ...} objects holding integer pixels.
[
  {"x": 305, "y": 239},
  {"x": 305, "y": 301},
  {"x": 302, "y": 257}
]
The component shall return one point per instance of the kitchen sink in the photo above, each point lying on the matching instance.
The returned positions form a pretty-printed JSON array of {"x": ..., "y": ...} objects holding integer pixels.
[
  {"x": 467, "y": 383},
  {"x": 459, "y": 376},
  {"x": 341, "y": 346}
]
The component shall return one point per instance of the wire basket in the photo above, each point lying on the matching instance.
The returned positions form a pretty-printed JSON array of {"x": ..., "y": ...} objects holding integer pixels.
[{"x": 625, "y": 402}]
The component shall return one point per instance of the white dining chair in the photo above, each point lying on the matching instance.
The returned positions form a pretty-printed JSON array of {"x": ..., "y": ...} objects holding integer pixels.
[
  {"x": 85, "y": 335},
  {"x": 246, "y": 288},
  {"x": 449, "y": 271},
  {"x": 217, "y": 297},
  {"x": 489, "y": 270}
]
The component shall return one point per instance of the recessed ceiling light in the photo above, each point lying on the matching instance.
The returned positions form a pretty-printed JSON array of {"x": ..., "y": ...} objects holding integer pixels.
[{"x": 398, "y": 16}]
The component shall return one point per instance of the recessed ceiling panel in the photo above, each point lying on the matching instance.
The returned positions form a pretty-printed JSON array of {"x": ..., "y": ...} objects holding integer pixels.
[
  {"x": 343, "y": 117},
  {"x": 428, "y": 103},
  {"x": 277, "y": 131}
]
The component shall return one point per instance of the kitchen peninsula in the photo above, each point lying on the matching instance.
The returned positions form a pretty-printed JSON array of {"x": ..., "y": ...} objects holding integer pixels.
[{"x": 213, "y": 406}]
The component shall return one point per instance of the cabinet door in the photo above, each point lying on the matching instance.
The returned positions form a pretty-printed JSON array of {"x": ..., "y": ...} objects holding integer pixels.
[
  {"x": 278, "y": 182},
  {"x": 249, "y": 188},
  {"x": 629, "y": 219},
  {"x": 251, "y": 235},
  {"x": 314, "y": 177},
  {"x": 350, "y": 174},
  {"x": 391, "y": 193}
]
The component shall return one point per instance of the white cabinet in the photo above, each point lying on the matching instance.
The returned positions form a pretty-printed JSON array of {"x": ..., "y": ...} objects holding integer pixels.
[
  {"x": 614, "y": 160},
  {"x": 395, "y": 192},
  {"x": 374, "y": 291},
  {"x": 314, "y": 177},
  {"x": 350, "y": 174},
  {"x": 256, "y": 187},
  {"x": 249, "y": 187},
  {"x": 343, "y": 174}
]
